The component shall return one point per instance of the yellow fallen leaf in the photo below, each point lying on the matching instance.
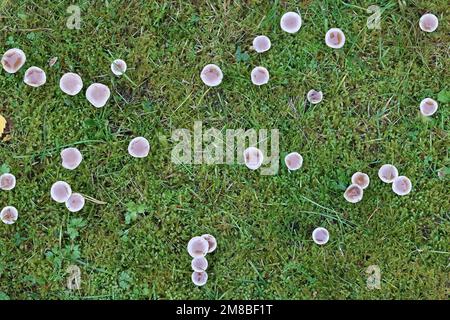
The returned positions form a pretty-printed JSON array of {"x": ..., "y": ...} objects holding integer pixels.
[{"x": 2, "y": 124}]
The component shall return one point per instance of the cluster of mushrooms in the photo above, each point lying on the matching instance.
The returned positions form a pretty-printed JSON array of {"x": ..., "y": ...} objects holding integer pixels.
[
  {"x": 198, "y": 248},
  {"x": 9, "y": 214}
]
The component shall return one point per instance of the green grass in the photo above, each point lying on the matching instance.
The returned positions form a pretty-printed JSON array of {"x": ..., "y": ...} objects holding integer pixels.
[{"x": 263, "y": 224}]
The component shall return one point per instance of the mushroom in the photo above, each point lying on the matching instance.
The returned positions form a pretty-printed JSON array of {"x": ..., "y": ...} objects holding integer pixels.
[
  {"x": 199, "y": 278},
  {"x": 387, "y": 173},
  {"x": 71, "y": 158},
  {"x": 198, "y": 247},
  {"x": 139, "y": 147},
  {"x": 354, "y": 193},
  {"x": 9, "y": 215},
  {"x": 71, "y": 83},
  {"x": 401, "y": 186},
  {"x": 75, "y": 202},
  {"x": 211, "y": 75},
  {"x": 253, "y": 158},
  {"x": 35, "y": 77},
  {"x": 291, "y": 22},
  {"x": 60, "y": 191},
  {"x": 261, "y": 44},
  {"x": 361, "y": 179},
  {"x": 335, "y": 38},
  {"x": 118, "y": 67},
  {"x": 212, "y": 242},
  {"x": 428, "y": 107},
  {"x": 293, "y": 161},
  {"x": 7, "y": 181},
  {"x": 428, "y": 22},
  {"x": 260, "y": 76},
  {"x": 199, "y": 264},
  {"x": 314, "y": 96},
  {"x": 98, "y": 94},
  {"x": 13, "y": 60},
  {"x": 320, "y": 235}
]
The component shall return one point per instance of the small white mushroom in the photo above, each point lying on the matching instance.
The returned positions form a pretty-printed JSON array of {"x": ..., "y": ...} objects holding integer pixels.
[
  {"x": 7, "y": 181},
  {"x": 361, "y": 179},
  {"x": 260, "y": 76},
  {"x": 98, "y": 94},
  {"x": 75, "y": 202},
  {"x": 261, "y": 44},
  {"x": 199, "y": 278},
  {"x": 60, "y": 191},
  {"x": 353, "y": 194},
  {"x": 212, "y": 242},
  {"x": 291, "y": 22},
  {"x": 199, "y": 264},
  {"x": 139, "y": 147},
  {"x": 253, "y": 158},
  {"x": 198, "y": 247},
  {"x": 118, "y": 67},
  {"x": 71, "y": 83},
  {"x": 293, "y": 161},
  {"x": 428, "y": 107},
  {"x": 387, "y": 173},
  {"x": 320, "y": 236},
  {"x": 71, "y": 158},
  {"x": 9, "y": 215},
  {"x": 211, "y": 75},
  {"x": 335, "y": 38},
  {"x": 35, "y": 77},
  {"x": 13, "y": 60},
  {"x": 314, "y": 96},
  {"x": 401, "y": 185},
  {"x": 428, "y": 22}
]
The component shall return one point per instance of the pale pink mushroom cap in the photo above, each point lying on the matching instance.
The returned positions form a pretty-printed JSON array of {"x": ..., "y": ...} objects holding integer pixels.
[
  {"x": 212, "y": 242},
  {"x": 7, "y": 181},
  {"x": 320, "y": 235},
  {"x": 13, "y": 60},
  {"x": 353, "y": 194},
  {"x": 387, "y": 173},
  {"x": 261, "y": 44},
  {"x": 199, "y": 264},
  {"x": 428, "y": 22},
  {"x": 361, "y": 179},
  {"x": 198, "y": 247},
  {"x": 71, "y": 158},
  {"x": 314, "y": 96},
  {"x": 60, "y": 191},
  {"x": 98, "y": 94},
  {"x": 335, "y": 38},
  {"x": 199, "y": 278},
  {"x": 75, "y": 202},
  {"x": 293, "y": 161},
  {"x": 9, "y": 215},
  {"x": 428, "y": 107},
  {"x": 253, "y": 158},
  {"x": 260, "y": 76},
  {"x": 118, "y": 67},
  {"x": 211, "y": 75},
  {"x": 71, "y": 83},
  {"x": 139, "y": 147},
  {"x": 35, "y": 77},
  {"x": 401, "y": 186},
  {"x": 291, "y": 22}
]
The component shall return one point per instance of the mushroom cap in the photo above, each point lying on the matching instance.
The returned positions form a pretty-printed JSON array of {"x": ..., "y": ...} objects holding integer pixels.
[
  {"x": 354, "y": 193},
  {"x": 118, "y": 67},
  {"x": 320, "y": 235},
  {"x": 9, "y": 215},
  {"x": 428, "y": 107},
  {"x": 429, "y": 22},
  {"x": 401, "y": 185},
  {"x": 387, "y": 173},
  {"x": 314, "y": 96},
  {"x": 335, "y": 38},
  {"x": 71, "y": 83},
  {"x": 98, "y": 94},
  {"x": 211, "y": 75},
  {"x": 139, "y": 147},
  {"x": 212, "y": 242},
  {"x": 291, "y": 22},
  {"x": 35, "y": 77},
  {"x": 361, "y": 179},
  {"x": 253, "y": 158},
  {"x": 261, "y": 44},
  {"x": 199, "y": 278},
  {"x": 75, "y": 202},
  {"x": 60, "y": 191},
  {"x": 13, "y": 60},
  {"x": 198, "y": 247},
  {"x": 293, "y": 161},
  {"x": 7, "y": 181},
  {"x": 71, "y": 158},
  {"x": 199, "y": 264},
  {"x": 260, "y": 76}
]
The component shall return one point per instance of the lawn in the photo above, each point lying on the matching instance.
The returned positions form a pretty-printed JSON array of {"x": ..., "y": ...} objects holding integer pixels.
[{"x": 130, "y": 242}]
